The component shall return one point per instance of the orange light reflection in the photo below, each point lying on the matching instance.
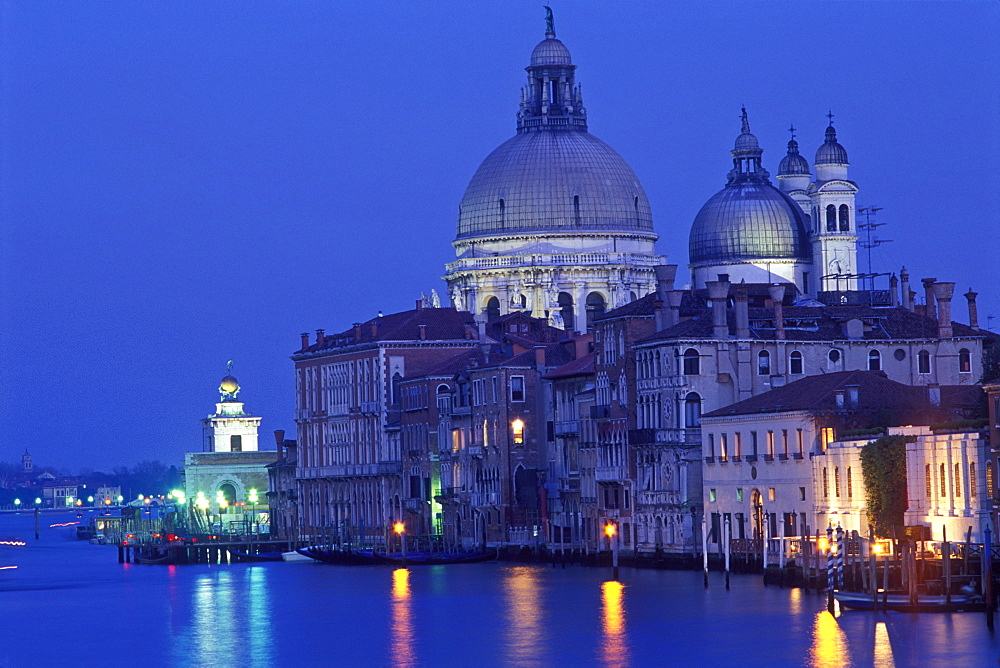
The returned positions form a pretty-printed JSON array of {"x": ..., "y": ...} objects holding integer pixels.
[
  {"x": 614, "y": 649},
  {"x": 524, "y": 617},
  {"x": 829, "y": 647},
  {"x": 883, "y": 647},
  {"x": 401, "y": 645}
]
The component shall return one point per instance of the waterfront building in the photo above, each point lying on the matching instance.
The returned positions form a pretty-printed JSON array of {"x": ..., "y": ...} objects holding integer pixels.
[
  {"x": 282, "y": 489},
  {"x": 230, "y": 464},
  {"x": 992, "y": 390},
  {"x": 787, "y": 462},
  {"x": 554, "y": 222}
]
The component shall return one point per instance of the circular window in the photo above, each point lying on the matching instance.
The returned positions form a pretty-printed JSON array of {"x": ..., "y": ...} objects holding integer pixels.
[
  {"x": 834, "y": 355},
  {"x": 900, "y": 354}
]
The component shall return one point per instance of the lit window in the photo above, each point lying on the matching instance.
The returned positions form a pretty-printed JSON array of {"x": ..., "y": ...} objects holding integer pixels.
[
  {"x": 958, "y": 481},
  {"x": 770, "y": 494},
  {"x": 826, "y": 485},
  {"x": 972, "y": 480},
  {"x": 964, "y": 361},
  {"x": 836, "y": 481},
  {"x": 711, "y": 495},
  {"x": 517, "y": 429},
  {"x": 850, "y": 491},
  {"x": 929, "y": 483},
  {"x": 944, "y": 482},
  {"x": 826, "y": 438},
  {"x": 739, "y": 494}
]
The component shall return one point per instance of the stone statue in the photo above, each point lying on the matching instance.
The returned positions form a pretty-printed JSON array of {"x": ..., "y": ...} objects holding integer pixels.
[
  {"x": 556, "y": 319},
  {"x": 549, "y": 23},
  {"x": 435, "y": 299}
]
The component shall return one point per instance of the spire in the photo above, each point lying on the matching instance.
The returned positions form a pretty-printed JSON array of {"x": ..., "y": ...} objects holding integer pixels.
[{"x": 551, "y": 100}]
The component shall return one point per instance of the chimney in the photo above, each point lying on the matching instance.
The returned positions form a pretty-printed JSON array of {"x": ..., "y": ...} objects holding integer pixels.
[
  {"x": 320, "y": 337},
  {"x": 893, "y": 291},
  {"x": 718, "y": 291},
  {"x": 305, "y": 340},
  {"x": 674, "y": 298},
  {"x": 777, "y": 293},
  {"x": 973, "y": 310},
  {"x": 934, "y": 394},
  {"x": 540, "y": 359},
  {"x": 929, "y": 309},
  {"x": 742, "y": 313},
  {"x": 374, "y": 329},
  {"x": 853, "y": 392},
  {"x": 581, "y": 346},
  {"x": 420, "y": 304},
  {"x": 484, "y": 345},
  {"x": 665, "y": 274},
  {"x": 357, "y": 332},
  {"x": 423, "y": 332},
  {"x": 470, "y": 333},
  {"x": 838, "y": 396},
  {"x": 904, "y": 279},
  {"x": 943, "y": 292},
  {"x": 279, "y": 437}
]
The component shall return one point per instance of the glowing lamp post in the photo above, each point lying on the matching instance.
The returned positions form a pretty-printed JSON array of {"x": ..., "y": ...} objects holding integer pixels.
[
  {"x": 400, "y": 529},
  {"x": 611, "y": 531},
  {"x": 253, "y": 498},
  {"x": 38, "y": 505},
  {"x": 17, "y": 503}
]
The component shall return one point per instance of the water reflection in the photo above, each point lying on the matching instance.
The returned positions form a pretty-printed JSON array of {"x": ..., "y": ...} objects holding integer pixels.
[
  {"x": 524, "y": 616},
  {"x": 883, "y": 647},
  {"x": 401, "y": 646},
  {"x": 614, "y": 646},
  {"x": 795, "y": 601},
  {"x": 258, "y": 607},
  {"x": 829, "y": 643}
]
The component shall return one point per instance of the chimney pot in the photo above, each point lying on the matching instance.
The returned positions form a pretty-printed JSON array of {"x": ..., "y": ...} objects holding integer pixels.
[
  {"x": 777, "y": 293},
  {"x": 320, "y": 336},
  {"x": 907, "y": 295},
  {"x": 374, "y": 329},
  {"x": 893, "y": 291},
  {"x": 420, "y": 304},
  {"x": 279, "y": 437},
  {"x": 929, "y": 309},
  {"x": 665, "y": 274},
  {"x": 423, "y": 332},
  {"x": 718, "y": 292},
  {"x": 742, "y": 313},
  {"x": 973, "y": 309},
  {"x": 943, "y": 292},
  {"x": 305, "y": 340}
]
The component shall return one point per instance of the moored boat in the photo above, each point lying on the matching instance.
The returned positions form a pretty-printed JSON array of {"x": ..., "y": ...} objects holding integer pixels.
[
  {"x": 902, "y": 603},
  {"x": 256, "y": 556},
  {"x": 435, "y": 558},
  {"x": 339, "y": 557}
]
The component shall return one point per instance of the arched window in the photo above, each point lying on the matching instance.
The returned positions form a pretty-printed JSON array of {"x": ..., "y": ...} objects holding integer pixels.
[
  {"x": 566, "y": 308},
  {"x": 692, "y": 363},
  {"x": 396, "y": 380},
  {"x": 492, "y": 308},
  {"x": 972, "y": 480},
  {"x": 944, "y": 481},
  {"x": 831, "y": 218},
  {"x": 763, "y": 363},
  {"x": 836, "y": 481},
  {"x": 964, "y": 361},
  {"x": 845, "y": 218},
  {"x": 795, "y": 362},
  {"x": 692, "y": 410},
  {"x": 874, "y": 360},
  {"x": 929, "y": 483},
  {"x": 576, "y": 209},
  {"x": 595, "y": 307},
  {"x": 923, "y": 362},
  {"x": 850, "y": 484},
  {"x": 958, "y": 480},
  {"x": 502, "y": 211}
]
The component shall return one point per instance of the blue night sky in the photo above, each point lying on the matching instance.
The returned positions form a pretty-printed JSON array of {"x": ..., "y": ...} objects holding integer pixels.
[{"x": 187, "y": 183}]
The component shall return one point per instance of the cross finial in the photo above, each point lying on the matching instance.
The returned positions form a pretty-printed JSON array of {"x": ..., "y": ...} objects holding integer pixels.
[
  {"x": 830, "y": 116},
  {"x": 791, "y": 128},
  {"x": 550, "y": 30}
]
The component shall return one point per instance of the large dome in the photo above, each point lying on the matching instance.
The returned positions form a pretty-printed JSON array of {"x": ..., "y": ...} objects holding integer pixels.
[
  {"x": 748, "y": 221},
  {"x": 553, "y": 181}
]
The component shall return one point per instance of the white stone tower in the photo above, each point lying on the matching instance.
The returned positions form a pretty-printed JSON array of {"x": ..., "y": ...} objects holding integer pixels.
[
  {"x": 834, "y": 224},
  {"x": 230, "y": 429}
]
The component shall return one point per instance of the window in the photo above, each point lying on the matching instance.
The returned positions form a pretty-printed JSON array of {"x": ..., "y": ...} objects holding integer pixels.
[
  {"x": 711, "y": 495},
  {"x": 770, "y": 494},
  {"x": 724, "y": 447},
  {"x": 944, "y": 482},
  {"x": 845, "y": 218},
  {"x": 784, "y": 442},
  {"x": 738, "y": 444},
  {"x": 795, "y": 362},
  {"x": 836, "y": 481},
  {"x": 739, "y": 494},
  {"x": 834, "y": 356},
  {"x": 492, "y": 308},
  {"x": 826, "y": 485},
  {"x": 763, "y": 363},
  {"x": 850, "y": 490},
  {"x": 236, "y": 443},
  {"x": 831, "y": 218},
  {"x": 711, "y": 446},
  {"x": 958, "y": 481},
  {"x": 494, "y": 396},
  {"x": 929, "y": 481},
  {"x": 753, "y": 442},
  {"x": 802, "y": 493},
  {"x": 595, "y": 307},
  {"x": 899, "y": 354},
  {"x": 692, "y": 410},
  {"x": 691, "y": 362},
  {"x": 517, "y": 430},
  {"x": 770, "y": 444},
  {"x": 566, "y": 308},
  {"x": 874, "y": 360},
  {"x": 517, "y": 388},
  {"x": 923, "y": 362},
  {"x": 989, "y": 479},
  {"x": 964, "y": 361},
  {"x": 800, "y": 443},
  {"x": 972, "y": 480}
]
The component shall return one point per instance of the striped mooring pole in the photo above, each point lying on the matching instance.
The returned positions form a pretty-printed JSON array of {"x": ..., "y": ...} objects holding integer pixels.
[
  {"x": 839, "y": 584},
  {"x": 829, "y": 569}
]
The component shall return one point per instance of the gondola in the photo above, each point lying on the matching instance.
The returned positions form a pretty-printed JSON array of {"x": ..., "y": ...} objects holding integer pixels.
[
  {"x": 901, "y": 602},
  {"x": 259, "y": 556},
  {"x": 339, "y": 557}
]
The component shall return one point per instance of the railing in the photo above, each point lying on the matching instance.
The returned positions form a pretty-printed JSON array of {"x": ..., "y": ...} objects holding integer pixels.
[
  {"x": 600, "y": 412},
  {"x": 474, "y": 450},
  {"x": 416, "y": 505},
  {"x": 661, "y": 497},
  {"x": 610, "y": 473},
  {"x": 547, "y": 259},
  {"x": 566, "y": 427}
]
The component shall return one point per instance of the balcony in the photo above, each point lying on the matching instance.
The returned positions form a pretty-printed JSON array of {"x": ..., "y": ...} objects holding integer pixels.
[
  {"x": 610, "y": 473},
  {"x": 390, "y": 468},
  {"x": 768, "y": 458},
  {"x": 641, "y": 436},
  {"x": 415, "y": 505},
  {"x": 656, "y": 498},
  {"x": 796, "y": 455},
  {"x": 474, "y": 450},
  {"x": 566, "y": 428},
  {"x": 601, "y": 412}
]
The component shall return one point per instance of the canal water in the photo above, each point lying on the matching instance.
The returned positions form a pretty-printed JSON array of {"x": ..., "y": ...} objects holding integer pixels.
[{"x": 69, "y": 603}]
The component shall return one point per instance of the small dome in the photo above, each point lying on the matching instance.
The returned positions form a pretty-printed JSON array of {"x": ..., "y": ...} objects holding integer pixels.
[
  {"x": 550, "y": 51},
  {"x": 228, "y": 385},
  {"x": 746, "y": 142},
  {"x": 793, "y": 164},
  {"x": 748, "y": 221},
  {"x": 831, "y": 152}
]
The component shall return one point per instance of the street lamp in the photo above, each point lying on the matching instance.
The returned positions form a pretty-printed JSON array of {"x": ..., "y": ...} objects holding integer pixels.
[
  {"x": 611, "y": 531},
  {"x": 17, "y": 502},
  {"x": 400, "y": 529},
  {"x": 252, "y": 498}
]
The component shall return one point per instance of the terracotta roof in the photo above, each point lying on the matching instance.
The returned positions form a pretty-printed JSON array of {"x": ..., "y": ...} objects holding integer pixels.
[
  {"x": 440, "y": 324},
  {"x": 578, "y": 367}
]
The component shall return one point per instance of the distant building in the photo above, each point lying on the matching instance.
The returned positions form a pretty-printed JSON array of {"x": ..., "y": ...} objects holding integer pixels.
[
  {"x": 282, "y": 491},
  {"x": 230, "y": 462}
]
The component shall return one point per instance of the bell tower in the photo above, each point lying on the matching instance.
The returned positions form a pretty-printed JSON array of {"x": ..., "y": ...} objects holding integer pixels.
[{"x": 834, "y": 225}]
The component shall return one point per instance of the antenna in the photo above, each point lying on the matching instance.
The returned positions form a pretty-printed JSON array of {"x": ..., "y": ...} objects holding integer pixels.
[{"x": 868, "y": 227}]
